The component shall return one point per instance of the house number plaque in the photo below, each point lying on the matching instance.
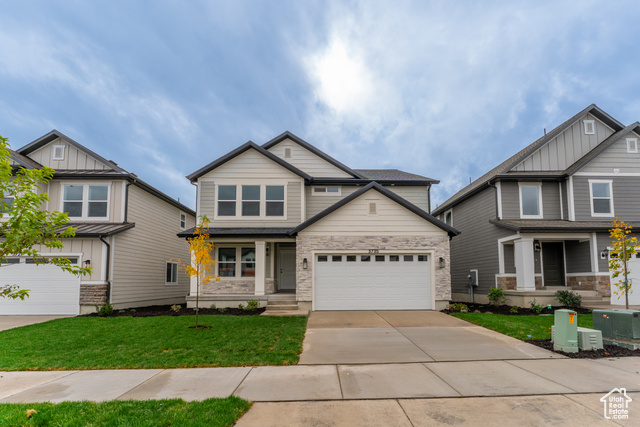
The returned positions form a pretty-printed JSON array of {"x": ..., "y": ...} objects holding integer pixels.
[{"x": 374, "y": 251}]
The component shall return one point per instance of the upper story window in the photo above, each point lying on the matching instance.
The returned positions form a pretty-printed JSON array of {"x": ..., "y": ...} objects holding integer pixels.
[
  {"x": 86, "y": 201},
  {"x": 183, "y": 220},
  {"x": 448, "y": 217},
  {"x": 632, "y": 145},
  {"x": 601, "y": 198},
  {"x": 326, "y": 191},
  {"x": 530, "y": 200},
  {"x": 589, "y": 127},
  {"x": 58, "y": 152},
  {"x": 256, "y": 201},
  {"x": 7, "y": 202}
]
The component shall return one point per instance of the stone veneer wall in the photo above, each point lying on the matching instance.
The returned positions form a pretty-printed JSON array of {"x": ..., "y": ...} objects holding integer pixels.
[
  {"x": 306, "y": 245},
  {"x": 233, "y": 287},
  {"x": 590, "y": 283},
  {"x": 93, "y": 294},
  {"x": 507, "y": 282}
]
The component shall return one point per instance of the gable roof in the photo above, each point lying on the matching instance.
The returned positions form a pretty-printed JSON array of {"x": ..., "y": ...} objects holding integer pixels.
[
  {"x": 505, "y": 167},
  {"x": 391, "y": 195},
  {"x": 55, "y": 134},
  {"x": 288, "y": 135},
  {"x": 393, "y": 175},
  {"x": 23, "y": 161},
  {"x": 233, "y": 154}
]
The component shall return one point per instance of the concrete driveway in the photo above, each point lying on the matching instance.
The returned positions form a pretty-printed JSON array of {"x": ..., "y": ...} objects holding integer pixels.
[
  {"x": 362, "y": 337},
  {"x": 10, "y": 322}
]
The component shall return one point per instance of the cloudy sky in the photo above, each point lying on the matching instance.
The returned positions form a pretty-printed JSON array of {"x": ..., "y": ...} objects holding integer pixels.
[{"x": 440, "y": 88}]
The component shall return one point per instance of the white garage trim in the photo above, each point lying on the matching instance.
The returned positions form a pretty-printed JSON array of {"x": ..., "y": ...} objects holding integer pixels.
[{"x": 429, "y": 253}]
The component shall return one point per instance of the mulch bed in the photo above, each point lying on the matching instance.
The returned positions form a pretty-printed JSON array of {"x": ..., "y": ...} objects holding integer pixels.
[
  {"x": 608, "y": 351},
  {"x": 506, "y": 309},
  {"x": 165, "y": 310}
]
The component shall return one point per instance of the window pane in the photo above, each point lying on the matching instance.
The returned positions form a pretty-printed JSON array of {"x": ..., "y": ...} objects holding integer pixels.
[
  {"x": 423, "y": 258},
  {"x": 73, "y": 192},
  {"x": 275, "y": 208},
  {"x": 319, "y": 189},
  {"x": 408, "y": 258},
  {"x": 447, "y": 218},
  {"x": 365, "y": 258},
  {"x": 227, "y": 254},
  {"x": 98, "y": 209},
  {"x": 601, "y": 189},
  {"x": 250, "y": 208},
  {"x": 226, "y": 208},
  {"x": 601, "y": 206},
  {"x": 250, "y": 192},
  {"x": 248, "y": 254},
  {"x": 351, "y": 258},
  {"x": 394, "y": 258},
  {"x": 275, "y": 192},
  {"x": 227, "y": 269},
  {"x": 248, "y": 269},
  {"x": 333, "y": 189},
  {"x": 98, "y": 192},
  {"x": 379, "y": 257},
  {"x": 226, "y": 192},
  {"x": 73, "y": 209},
  {"x": 336, "y": 258},
  {"x": 168, "y": 273},
  {"x": 529, "y": 194},
  {"x": 7, "y": 202},
  {"x": 322, "y": 258}
]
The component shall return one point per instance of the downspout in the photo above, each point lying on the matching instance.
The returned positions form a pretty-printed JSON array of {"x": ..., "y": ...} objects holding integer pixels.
[
  {"x": 429, "y": 198},
  {"x": 496, "y": 188},
  {"x": 108, "y": 269},
  {"x": 126, "y": 202}
]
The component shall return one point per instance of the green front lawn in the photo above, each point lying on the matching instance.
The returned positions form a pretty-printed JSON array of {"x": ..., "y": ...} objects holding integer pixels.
[
  {"x": 211, "y": 412},
  {"x": 152, "y": 342},
  {"x": 521, "y": 327}
]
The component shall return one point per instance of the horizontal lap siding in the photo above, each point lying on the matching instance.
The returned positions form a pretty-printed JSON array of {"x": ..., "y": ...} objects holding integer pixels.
[
  {"x": 511, "y": 200},
  {"x": 616, "y": 157},
  {"x": 140, "y": 254},
  {"x": 477, "y": 245},
  {"x": 551, "y": 200},
  {"x": 626, "y": 203},
  {"x": 89, "y": 248},
  {"x": 419, "y": 196},
  {"x": 578, "y": 256}
]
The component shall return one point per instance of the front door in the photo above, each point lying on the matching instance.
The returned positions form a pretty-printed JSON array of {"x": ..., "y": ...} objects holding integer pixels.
[
  {"x": 287, "y": 269},
  {"x": 553, "y": 263}
]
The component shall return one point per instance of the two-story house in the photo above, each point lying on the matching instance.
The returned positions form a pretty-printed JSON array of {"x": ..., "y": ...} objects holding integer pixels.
[
  {"x": 539, "y": 221},
  {"x": 289, "y": 219},
  {"x": 126, "y": 231}
]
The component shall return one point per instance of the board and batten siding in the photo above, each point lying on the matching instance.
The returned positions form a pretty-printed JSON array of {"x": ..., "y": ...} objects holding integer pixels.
[
  {"x": 73, "y": 158},
  {"x": 141, "y": 253},
  {"x": 511, "y": 200},
  {"x": 390, "y": 219},
  {"x": 567, "y": 148},
  {"x": 476, "y": 248},
  {"x": 307, "y": 161},
  {"x": 115, "y": 196},
  {"x": 625, "y": 191},
  {"x": 90, "y": 248},
  {"x": 616, "y": 157}
]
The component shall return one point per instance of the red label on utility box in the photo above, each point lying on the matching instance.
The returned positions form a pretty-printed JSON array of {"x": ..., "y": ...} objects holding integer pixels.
[{"x": 571, "y": 316}]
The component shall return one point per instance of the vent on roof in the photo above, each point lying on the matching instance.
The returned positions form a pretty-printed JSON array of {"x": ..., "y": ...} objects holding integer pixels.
[
  {"x": 287, "y": 153},
  {"x": 58, "y": 152},
  {"x": 589, "y": 127}
]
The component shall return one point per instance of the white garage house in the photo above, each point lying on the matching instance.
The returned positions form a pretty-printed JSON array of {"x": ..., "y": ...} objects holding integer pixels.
[{"x": 290, "y": 223}]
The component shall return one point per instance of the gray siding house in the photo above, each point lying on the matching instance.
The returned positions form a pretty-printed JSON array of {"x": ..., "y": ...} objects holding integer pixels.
[
  {"x": 539, "y": 221},
  {"x": 291, "y": 222},
  {"x": 126, "y": 231}
]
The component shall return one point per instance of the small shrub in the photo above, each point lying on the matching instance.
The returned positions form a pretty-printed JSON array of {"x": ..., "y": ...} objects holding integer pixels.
[
  {"x": 253, "y": 304},
  {"x": 514, "y": 310},
  {"x": 458, "y": 307},
  {"x": 212, "y": 307},
  {"x": 535, "y": 307},
  {"x": 240, "y": 307},
  {"x": 496, "y": 296},
  {"x": 105, "y": 310},
  {"x": 222, "y": 309},
  {"x": 176, "y": 308},
  {"x": 569, "y": 299}
]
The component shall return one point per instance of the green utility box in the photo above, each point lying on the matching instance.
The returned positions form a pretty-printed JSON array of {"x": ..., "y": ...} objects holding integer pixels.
[
  {"x": 619, "y": 327},
  {"x": 565, "y": 331}
]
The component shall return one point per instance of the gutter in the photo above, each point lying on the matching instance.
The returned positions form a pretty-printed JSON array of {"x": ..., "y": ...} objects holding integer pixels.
[{"x": 108, "y": 269}]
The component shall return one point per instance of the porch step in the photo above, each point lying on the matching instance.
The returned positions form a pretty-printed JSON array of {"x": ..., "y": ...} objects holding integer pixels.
[
  {"x": 282, "y": 302},
  {"x": 282, "y": 307}
]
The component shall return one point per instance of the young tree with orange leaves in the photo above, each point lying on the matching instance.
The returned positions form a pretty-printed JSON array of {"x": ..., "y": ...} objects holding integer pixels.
[
  {"x": 623, "y": 248},
  {"x": 202, "y": 265}
]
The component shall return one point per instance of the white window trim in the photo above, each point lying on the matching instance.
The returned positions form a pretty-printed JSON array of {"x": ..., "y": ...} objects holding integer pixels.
[
  {"x": 633, "y": 141},
  {"x": 586, "y": 127},
  {"x": 263, "y": 201},
  {"x": 53, "y": 152},
  {"x": 444, "y": 218},
  {"x": 325, "y": 193},
  {"x": 177, "y": 273},
  {"x": 237, "y": 262},
  {"x": 601, "y": 181},
  {"x": 85, "y": 200},
  {"x": 182, "y": 214},
  {"x": 531, "y": 184}
]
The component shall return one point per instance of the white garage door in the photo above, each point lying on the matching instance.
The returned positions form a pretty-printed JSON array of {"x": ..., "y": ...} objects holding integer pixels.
[
  {"x": 52, "y": 290},
  {"x": 634, "y": 279},
  {"x": 372, "y": 282}
]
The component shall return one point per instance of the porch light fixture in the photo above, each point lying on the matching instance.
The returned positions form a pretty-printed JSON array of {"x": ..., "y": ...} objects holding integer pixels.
[
  {"x": 305, "y": 264},
  {"x": 266, "y": 251},
  {"x": 537, "y": 247},
  {"x": 87, "y": 262},
  {"x": 604, "y": 254},
  {"x": 442, "y": 262}
]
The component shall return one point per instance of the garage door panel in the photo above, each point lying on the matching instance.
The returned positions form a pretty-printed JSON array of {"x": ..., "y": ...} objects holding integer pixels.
[{"x": 404, "y": 283}]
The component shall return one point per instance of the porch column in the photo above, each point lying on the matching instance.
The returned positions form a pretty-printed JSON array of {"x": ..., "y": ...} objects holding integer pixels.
[
  {"x": 525, "y": 272},
  {"x": 193, "y": 280},
  {"x": 261, "y": 259}
]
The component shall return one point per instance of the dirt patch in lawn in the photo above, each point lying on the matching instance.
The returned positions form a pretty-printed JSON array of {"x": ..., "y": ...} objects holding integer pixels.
[
  {"x": 166, "y": 310},
  {"x": 608, "y": 351},
  {"x": 506, "y": 309}
]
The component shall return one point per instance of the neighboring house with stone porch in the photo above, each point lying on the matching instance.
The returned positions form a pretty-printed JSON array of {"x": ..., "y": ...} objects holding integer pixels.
[
  {"x": 292, "y": 224},
  {"x": 125, "y": 230},
  {"x": 539, "y": 221}
]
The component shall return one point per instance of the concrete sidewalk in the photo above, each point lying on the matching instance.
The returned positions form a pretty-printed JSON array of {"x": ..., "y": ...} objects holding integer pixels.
[{"x": 330, "y": 382}]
